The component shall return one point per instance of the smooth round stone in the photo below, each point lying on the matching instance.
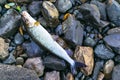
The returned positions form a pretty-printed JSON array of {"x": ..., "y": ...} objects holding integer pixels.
[
  {"x": 103, "y": 52},
  {"x": 89, "y": 42},
  {"x": 114, "y": 30},
  {"x": 19, "y": 61},
  {"x": 18, "y": 39},
  {"x": 63, "y": 5},
  {"x": 116, "y": 72},
  {"x": 69, "y": 76}
]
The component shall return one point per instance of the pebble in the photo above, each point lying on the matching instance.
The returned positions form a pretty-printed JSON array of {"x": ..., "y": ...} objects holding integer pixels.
[
  {"x": 11, "y": 59},
  {"x": 35, "y": 8},
  {"x": 35, "y": 64},
  {"x": 63, "y": 5},
  {"x": 54, "y": 75},
  {"x": 73, "y": 30},
  {"x": 89, "y": 42},
  {"x": 100, "y": 76},
  {"x": 0, "y": 9},
  {"x": 116, "y": 72},
  {"x": 19, "y": 61},
  {"x": 18, "y": 51},
  {"x": 43, "y": 22},
  {"x": 103, "y": 52},
  {"x": 18, "y": 39},
  {"x": 2, "y": 2},
  {"x": 114, "y": 30},
  {"x": 8, "y": 72},
  {"x": 9, "y": 23},
  {"x": 108, "y": 67},
  {"x": 113, "y": 40},
  {"x": 20, "y": 1},
  {"x": 3, "y": 49},
  {"x": 85, "y": 55},
  {"x": 57, "y": 64},
  {"x": 69, "y": 76},
  {"x": 117, "y": 59},
  {"x": 59, "y": 30},
  {"x": 50, "y": 13}
]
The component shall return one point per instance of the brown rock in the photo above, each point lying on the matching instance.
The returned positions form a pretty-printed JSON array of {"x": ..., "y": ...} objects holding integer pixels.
[
  {"x": 85, "y": 55},
  {"x": 3, "y": 49},
  {"x": 19, "y": 51},
  {"x": 35, "y": 64},
  {"x": 54, "y": 75},
  {"x": 100, "y": 76},
  {"x": 69, "y": 76}
]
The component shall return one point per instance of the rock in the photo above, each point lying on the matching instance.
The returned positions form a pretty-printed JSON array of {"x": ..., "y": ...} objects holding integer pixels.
[
  {"x": 19, "y": 61},
  {"x": 8, "y": 72},
  {"x": 69, "y": 77},
  {"x": 114, "y": 30},
  {"x": 10, "y": 59},
  {"x": 90, "y": 14},
  {"x": 50, "y": 13},
  {"x": 42, "y": 21},
  {"x": 117, "y": 58},
  {"x": 89, "y": 42},
  {"x": 2, "y": 2},
  {"x": 9, "y": 23},
  {"x": 35, "y": 64},
  {"x": 73, "y": 30},
  {"x": 102, "y": 9},
  {"x": 20, "y": 1},
  {"x": 32, "y": 49},
  {"x": 108, "y": 67},
  {"x": 103, "y": 52},
  {"x": 18, "y": 39},
  {"x": 116, "y": 72},
  {"x": 113, "y": 40},
  {"x": 34, "y": 8},
  {"x": 59, "y": 30},
  {"x": 83, "y": 1},
  {"x": 97, "y": 68},
  {"x": 54, "y": 75},
  {"x": 18, "y": 51},
  {"x": 100, "y": 76},
  {"x": 3, "y": 49},
  {"x": 52, "y": 0},
  {"x": 57, "y": 64},
  {"x": 85, "y": 55},
  {"x": 113, "y": 10},
  {"x": 0, "y": 10},
  {"x": 69, "y": 52},
  {"x": 63, "y": 5}
]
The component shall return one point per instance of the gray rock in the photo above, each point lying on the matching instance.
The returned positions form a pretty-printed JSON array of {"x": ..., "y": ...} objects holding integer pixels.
[
  {"x": 73, "y": 30},
  {"x": 113, "y": 10},
  {"x": 54, "y": 75},
  {"x": 0, "y": 8},
  {"x": 20, "y": 1},
  {"x": 114, "y": 30},
  {"x": 8, "y": 72},
  {"x": 3, "y": 49},
  {"x": 18, "y": 39},
  {"x": 42, "y": 21},
  {"x": 10, "y": 59},
  {"x": 57, "y": 64},
  {"x": 19, "y": 61},
  {"x": 34, "y": 8},
  {"x": 117, "y": 58},
  {"x": 63, "y": 5},
  {"x": 116, "y": 72},
  {"x": 103, "y": 52},
  {"x": 113, "y": 40},
  {"x": 9, "y": 23},
  {"x": 2, "y": 1},
  {"x": 89, "y": 42}
]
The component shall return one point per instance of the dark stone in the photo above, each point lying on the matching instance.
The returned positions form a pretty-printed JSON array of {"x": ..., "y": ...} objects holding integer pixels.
[
  {"x": 32, "y": 49},
  {"x": 89, "y": 42},
  {"x": 34, "y": 8},
  {"x": 9, "y": 23},
  {"x": 55, "y": 63},
  {"x": 18, "y": 39},
  {"x": 113, "y": 40},
  {"x": 114, "y": 30},
  {"x": 73, "y": 30},
  {"x": 116, "y": 72},
  {"x": 117, "y": 58},
  {"x": 8, "y": 72},
  {"x": 42, "y": 22},
  {"x": 20, "y": 1},
  {"x": 59, "y": 30},
  {"x": 2, "y": 2},
  {"x": 103, "y": 52},
  {"x": 102, "y": 9},
  {"x": 113, "y": 11}
]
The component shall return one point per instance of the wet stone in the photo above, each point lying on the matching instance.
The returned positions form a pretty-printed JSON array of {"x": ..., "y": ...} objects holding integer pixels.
[
  {"x": 8, "y": 72},
  {"x": 73, "y": 30},
  {"x": 57, "y": 64},
  {"x": 113, "y": 10},
  {"x": 89, "y": 42},
  {"x": 18, "y": 39},
  {"x": 116, "y": 72},
  {"x": 54, "y": 75},
  {"x": 32, "y": 49},
  {"x": 103, "y": 52},
  {"x": 50, "y": 13},
  {"x": 34, "y": 8},
  {"x": 9, "y": 23},
  {"x": 63, "y": 5},
  {"x": 114, "y": 30},
  {"x": 35, "y": 64},
  {"x": 3, "y": 49},
  {"x": 85, "y": 55},
  {"x": 113, "y": 40}
]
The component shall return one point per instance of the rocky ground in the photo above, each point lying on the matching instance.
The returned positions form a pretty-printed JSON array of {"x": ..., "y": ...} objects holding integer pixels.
[{"x": 88, "y": 30}]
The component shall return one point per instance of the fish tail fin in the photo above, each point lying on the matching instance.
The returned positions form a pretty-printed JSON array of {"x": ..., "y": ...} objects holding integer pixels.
[{"x": 76, "y": 65}]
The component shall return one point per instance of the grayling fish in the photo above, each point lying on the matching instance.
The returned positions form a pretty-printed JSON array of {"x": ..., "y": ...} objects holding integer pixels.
[{"x": 42, "y": 37}]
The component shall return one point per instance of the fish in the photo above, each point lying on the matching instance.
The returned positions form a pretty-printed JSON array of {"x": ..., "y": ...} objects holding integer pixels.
[{"x": 40, "y": 35}]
